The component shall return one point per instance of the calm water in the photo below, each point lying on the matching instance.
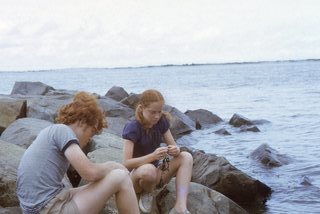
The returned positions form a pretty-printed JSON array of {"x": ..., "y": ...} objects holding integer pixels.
[{"x": 285, "y": 93}]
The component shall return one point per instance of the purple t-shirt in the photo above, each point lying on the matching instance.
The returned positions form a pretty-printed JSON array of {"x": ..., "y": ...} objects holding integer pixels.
[{"x": 145, "y": 140}]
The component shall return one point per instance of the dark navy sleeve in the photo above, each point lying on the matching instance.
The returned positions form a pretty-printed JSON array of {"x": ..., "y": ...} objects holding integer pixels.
[
  {"x": 163, "y": 125},
  {"x": 131, "y": 131}
]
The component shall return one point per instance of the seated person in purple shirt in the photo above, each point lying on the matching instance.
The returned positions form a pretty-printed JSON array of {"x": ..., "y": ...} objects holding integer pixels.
[
  {"x": 40, "y": 186},
  {"x": 142, "y": 154}
]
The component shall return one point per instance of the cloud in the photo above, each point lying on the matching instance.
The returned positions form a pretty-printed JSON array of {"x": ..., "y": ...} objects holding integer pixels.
[{"x": 103, "y": 33}]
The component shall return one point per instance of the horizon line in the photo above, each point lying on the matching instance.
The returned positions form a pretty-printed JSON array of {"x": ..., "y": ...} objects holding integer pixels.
[{"x": 173, "y": 65}]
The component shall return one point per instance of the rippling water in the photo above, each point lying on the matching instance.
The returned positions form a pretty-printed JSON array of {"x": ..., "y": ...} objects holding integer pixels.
[{"x": 285, "y": 93}]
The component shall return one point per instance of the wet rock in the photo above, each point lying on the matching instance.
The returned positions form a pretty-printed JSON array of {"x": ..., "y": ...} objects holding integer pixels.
[
  {"x": 269, "y": 156},
  {"x": 31, "y": 88},
  {"x": 222, "y": 131},
  {"x": 117, "y": 93},
  {"x": 203, "y": 117},
  {"x": 238, "y": 120},
  {"x": 180, "y": 123},
  {"x": 249, "y": 129},
  {"x": 218, "y": 174},
  {"x": 305, "y": 181}
]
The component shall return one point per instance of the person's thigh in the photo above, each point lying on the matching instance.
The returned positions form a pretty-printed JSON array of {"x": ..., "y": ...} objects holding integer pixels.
[
  {"x": 145, "y": 176},
  {"x": 61, "y": 204}
]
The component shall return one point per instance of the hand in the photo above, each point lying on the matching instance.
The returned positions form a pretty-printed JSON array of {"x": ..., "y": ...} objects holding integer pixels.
[
  {"x": 160, "y": 153},
  {"x": 173, "y": 150}
]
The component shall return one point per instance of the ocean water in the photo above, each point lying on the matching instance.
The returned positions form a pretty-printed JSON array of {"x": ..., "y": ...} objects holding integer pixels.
[{"x": 285, "y": 93}]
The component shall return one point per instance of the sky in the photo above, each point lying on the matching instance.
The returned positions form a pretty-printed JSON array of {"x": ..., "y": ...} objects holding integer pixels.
[{"x": 46, "y": 34}]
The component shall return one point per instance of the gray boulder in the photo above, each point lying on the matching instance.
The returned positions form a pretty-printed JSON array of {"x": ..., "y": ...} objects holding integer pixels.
[
  {"x": 47, "y": 107},
  {"x": 10, "y": 210},
  {"x": 218, "y": 174},
  {"x": 10, "y": 156},
  {"x": 116, "y": 125},
  {"x": 222, "y": 131},
  {"x": 10, "y": 110},
  {"x": 106, "y": 147},
  {"x": 117, "y": 93},
  {"x": 22, "y": 132},
  {"x": 269, "y": 156},
  {"x": 30, "y": 88},
  {"x": 113, "y": 108},
  {"x": 132, "y": 100},
  {"x": 201, "y": 200},
  {"x": 238, "y": 120},
  {"x": 180, "y": 123},
  {"x": 203, "y": 117},
  {"x": 245, "y": 128}
]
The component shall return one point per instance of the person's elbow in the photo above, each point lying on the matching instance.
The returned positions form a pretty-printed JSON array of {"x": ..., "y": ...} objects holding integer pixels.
[{"x": 126, "y": 164}]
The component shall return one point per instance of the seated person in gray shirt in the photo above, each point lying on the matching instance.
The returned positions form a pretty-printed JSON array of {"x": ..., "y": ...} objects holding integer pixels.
[{"x": 40, "y": 186}]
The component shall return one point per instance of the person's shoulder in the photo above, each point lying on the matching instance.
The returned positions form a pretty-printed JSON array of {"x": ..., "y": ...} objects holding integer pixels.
[
  {"x": 132, "y": 126},
  {"x": 163, "y": 124},
  {"x": 59, "y": 127},
  {"x": 133, "y": 123}
]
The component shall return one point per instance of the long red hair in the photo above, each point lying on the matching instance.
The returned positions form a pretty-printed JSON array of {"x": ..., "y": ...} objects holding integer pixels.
[{"x": 147, "y": 97}]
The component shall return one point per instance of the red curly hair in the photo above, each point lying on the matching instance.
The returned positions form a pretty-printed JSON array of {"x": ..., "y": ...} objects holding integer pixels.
[{"x": 84, "y": 108}]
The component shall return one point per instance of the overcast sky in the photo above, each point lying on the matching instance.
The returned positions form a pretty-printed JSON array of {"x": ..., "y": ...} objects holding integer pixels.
[{"x": 50, "y": 34}]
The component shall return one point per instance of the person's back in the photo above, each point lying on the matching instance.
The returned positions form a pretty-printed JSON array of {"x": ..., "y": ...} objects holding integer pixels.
[{"x": 43, "y": 166}]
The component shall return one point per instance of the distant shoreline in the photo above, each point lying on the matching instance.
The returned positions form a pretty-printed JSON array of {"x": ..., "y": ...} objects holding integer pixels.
[{"x": 166, "y": 65}]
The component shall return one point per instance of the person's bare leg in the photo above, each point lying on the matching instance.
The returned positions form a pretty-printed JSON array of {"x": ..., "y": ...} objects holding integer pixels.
[
  {"x": 181, "y": 166},
  {"x": 145, "y": 178},
  {"x": 92, "y": 197}
]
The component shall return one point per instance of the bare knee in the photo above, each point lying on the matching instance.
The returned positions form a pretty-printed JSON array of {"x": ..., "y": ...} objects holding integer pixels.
[
  {"x": 147, "y": 172},
  {"x": 119, "y": 178},
  {"x": 186, "y": 158}
]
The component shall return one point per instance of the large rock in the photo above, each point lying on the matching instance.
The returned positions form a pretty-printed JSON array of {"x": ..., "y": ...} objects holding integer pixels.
[
  {"x": 201, "y": 200},
  {"x": 10, "y": 210},
  {"x": 269, "y": 156},
  {"x": 23, "y": 131},
  {"x": 113, "y": 108},
  {"x": 106, "y": 147},
  {"x": 238, "y": 120},
  {"x": 181, "y": 124},
  {"x": 10, "y": 156},
  {"x": 203, "y": 117},
  {"x": 30, "y": 88},
  {"x": 10, "y": 110},
  {"x": 116, "y": 125},
  {"x": 218, "y": 174},
  {"x": 132, "y": 100},
  {"x": 47, "y": 107},
  {"x": 117, "y": 93}
]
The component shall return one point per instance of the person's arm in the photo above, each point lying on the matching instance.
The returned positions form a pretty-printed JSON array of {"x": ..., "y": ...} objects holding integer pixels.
[
  {"x": 86, "y": 169},
  {"x": 132, "y": 163},
  {"x": 173, "y": 149}
]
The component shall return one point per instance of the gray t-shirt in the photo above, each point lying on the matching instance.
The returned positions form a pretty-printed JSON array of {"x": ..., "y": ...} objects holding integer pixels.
[{"x": 43, "y": 166}]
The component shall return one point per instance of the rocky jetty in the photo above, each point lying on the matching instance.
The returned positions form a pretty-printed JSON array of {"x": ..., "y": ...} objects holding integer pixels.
[{"x": 217, "y": 186}]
